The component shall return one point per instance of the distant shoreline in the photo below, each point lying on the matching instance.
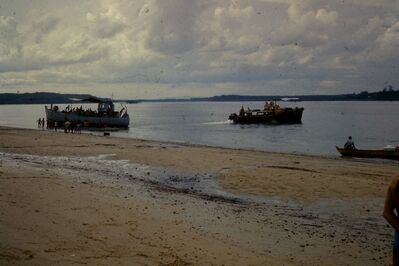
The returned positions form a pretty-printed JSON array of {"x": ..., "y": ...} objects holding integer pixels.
[{"x": 57, "y": 98}]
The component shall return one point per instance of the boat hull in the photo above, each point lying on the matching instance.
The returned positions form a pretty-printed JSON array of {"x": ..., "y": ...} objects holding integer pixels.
[
  {"x": 384, "y": 154},
  {"x": 89, "y": 121},
  {"x": 285, "y": 116}
]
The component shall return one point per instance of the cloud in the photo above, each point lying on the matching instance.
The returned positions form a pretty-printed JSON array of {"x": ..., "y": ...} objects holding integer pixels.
[
  {"x": 8, "y": 28},
  {"x": 191, "y": 46},
  {"x": 306, "y": 26},
  {"x": 171, "y": 25},
  {"x": 374, "y": 45},
  {"x": 9, "y": 47},
  {"x": 41, "y": 28},
  {"x": 106, "y": 23}
]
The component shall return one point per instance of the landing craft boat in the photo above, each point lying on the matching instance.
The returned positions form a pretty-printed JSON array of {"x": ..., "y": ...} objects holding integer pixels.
[
  {"x": 104, "y": 117},
  {"x": 386, "y": 153},
  {"x": 271, "y": 114}
]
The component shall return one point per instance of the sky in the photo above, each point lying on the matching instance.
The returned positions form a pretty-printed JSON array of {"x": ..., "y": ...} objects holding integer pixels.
[{"x": 185, "y": 48}]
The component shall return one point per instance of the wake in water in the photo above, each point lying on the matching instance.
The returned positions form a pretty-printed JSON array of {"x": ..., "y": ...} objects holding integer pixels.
[{"x": 217, "y": 123}]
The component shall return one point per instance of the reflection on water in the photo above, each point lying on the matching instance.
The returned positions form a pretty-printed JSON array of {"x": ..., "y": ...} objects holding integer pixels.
[{"x": 324, "y": 125}]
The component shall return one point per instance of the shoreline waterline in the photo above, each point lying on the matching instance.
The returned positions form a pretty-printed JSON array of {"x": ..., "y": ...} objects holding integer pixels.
[
  {"x": 171, "y": 142},
  {"x": 324, "y": 125}
]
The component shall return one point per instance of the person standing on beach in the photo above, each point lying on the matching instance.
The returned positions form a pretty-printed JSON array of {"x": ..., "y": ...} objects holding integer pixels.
[{"x": 390, "y": 207}]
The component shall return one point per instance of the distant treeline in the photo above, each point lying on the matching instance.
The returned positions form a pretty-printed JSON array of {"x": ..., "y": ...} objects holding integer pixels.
[
  {"x": 41, "y": 98},
  {"x": 387, "y": 94}
]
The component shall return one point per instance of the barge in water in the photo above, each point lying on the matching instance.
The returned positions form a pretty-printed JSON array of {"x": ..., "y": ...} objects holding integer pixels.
[{"x": 272, "y": 113}]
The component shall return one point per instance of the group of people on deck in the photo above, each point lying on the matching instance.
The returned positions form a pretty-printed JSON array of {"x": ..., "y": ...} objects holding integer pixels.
[{"x": 80, "y": 111}]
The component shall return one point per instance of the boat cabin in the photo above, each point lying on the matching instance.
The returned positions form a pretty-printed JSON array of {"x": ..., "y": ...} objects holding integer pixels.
[
  {"x": 105, "y": 107},
  {"x": 255, "y": 112}
]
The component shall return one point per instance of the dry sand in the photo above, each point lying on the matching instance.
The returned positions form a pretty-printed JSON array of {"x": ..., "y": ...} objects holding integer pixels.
[{"x": 155, "y": 203}]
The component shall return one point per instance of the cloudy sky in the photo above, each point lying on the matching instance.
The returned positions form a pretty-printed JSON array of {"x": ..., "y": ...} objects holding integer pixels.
[{"x": 187, "y": 48}]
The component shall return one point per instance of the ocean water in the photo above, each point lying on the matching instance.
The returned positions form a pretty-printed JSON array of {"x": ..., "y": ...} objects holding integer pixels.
[{"x": 324, "y": 125}]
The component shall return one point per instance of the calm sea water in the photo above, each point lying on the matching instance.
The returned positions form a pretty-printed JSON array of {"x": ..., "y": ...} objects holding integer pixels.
[{"x": 324, "y": 125}]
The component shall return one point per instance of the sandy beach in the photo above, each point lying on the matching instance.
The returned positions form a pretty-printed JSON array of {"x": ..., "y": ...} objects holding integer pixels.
[{"x": 70, "y": 199}]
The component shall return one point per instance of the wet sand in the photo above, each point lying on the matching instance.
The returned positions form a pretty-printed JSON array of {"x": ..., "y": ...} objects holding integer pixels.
[{"x": 85, "y": 199}]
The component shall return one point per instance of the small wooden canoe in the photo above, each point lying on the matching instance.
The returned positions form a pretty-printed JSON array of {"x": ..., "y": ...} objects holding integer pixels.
[{"x": 385, "y": 154}]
